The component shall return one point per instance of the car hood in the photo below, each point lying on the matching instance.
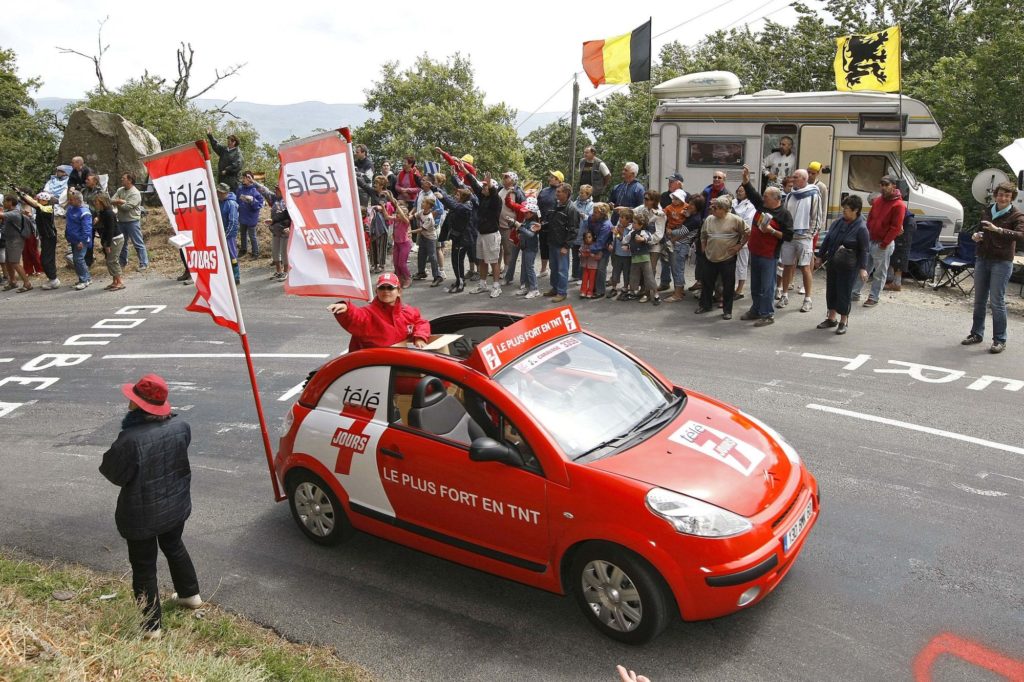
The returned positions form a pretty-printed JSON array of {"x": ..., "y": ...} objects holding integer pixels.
[{"x": 715, "y": 453}]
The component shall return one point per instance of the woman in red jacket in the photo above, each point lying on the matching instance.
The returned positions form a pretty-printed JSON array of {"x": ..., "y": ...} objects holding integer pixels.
[{"x": 385, "y": 321}]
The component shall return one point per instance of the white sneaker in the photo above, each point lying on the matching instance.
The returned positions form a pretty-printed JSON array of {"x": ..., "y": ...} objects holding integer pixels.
[
  {"x": 495, "y": 291},
  {"x": 784, "y": 301},
  {"x": 82, "y": 285},
  {"x": 523, "y": 288},
  {"x": 480, "y": 288},
  {"x": 52, "y": 284},
  {"x": 806, "y": 307},
  {"x": 778, "y": 293},
  {"x": 543, "y": 273},
  {"x": 533, "y": 294},
  {"x": 791, "y": 285},
  {"x": 801, "y": 290},
  {"x": 193, "y": 602}
]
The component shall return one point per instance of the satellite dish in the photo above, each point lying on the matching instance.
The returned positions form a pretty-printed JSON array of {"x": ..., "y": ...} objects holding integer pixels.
[{"x": 985, "y": 185}]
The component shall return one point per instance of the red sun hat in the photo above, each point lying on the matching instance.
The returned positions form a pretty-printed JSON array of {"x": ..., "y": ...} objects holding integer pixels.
[
  {"x": 389, "y": 278},
  {"x": 150, "y": 394}
]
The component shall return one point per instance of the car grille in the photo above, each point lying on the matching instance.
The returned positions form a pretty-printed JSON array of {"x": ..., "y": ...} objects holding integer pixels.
[{"x": 789, "y": 508}]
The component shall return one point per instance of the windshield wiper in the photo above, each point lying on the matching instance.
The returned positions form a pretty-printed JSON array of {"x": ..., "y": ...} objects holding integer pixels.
[{"x": 641, "y": 426}]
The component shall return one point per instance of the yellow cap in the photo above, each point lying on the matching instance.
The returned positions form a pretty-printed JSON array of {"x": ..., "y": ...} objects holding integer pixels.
[
  {"x": 814, "y": 166},
  {"x": 558, "y": 174},
  {"x": 468, "y": 158}
]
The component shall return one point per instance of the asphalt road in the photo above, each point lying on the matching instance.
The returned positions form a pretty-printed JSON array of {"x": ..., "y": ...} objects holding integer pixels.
[{"x": 920, "y": 536}]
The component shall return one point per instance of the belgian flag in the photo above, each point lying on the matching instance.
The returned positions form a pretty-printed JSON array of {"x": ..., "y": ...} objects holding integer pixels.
[{"x": 620, "y": 59}]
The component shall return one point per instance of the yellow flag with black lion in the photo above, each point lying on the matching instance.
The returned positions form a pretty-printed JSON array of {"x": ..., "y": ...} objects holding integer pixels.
[{"x": 869, "y": 62}]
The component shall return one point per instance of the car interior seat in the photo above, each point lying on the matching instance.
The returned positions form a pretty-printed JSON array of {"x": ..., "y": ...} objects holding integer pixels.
[{"x": 435, "y": 411}]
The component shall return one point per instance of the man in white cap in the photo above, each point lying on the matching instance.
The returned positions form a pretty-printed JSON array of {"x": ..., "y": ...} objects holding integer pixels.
[{"x": 149, "y": 462}]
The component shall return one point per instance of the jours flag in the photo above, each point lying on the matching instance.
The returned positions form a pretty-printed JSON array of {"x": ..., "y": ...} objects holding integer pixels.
[
  {"x": 182, "y": 181},
  {"x": 326, "y": 247},
  {"x": 869, "y": 62},
  {"x": 619, "y": 59}
]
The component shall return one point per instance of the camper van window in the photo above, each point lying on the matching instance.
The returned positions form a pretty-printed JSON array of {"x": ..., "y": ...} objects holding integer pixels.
[
  {"x": 882, "y": 124},
  {"x": 865, "y": 172},
  {"x": 716, "y": 152}
]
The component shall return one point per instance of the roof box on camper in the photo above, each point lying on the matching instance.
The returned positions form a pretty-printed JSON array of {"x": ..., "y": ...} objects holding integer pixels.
[{"x": 703, "y": 84}]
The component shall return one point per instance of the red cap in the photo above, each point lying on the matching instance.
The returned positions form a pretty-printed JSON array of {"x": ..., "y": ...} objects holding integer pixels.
[
  {"x": 150, "y": 394},
  {"x": 387, "y": 278}
]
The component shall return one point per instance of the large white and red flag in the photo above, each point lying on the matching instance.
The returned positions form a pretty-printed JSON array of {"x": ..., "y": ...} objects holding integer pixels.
[
  {"x": 182, "y": 180},
  {"x": 326, "y": 247}
]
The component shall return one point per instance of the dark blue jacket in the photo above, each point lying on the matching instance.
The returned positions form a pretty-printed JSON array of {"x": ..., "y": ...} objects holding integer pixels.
[
  {"x": 459, "y": 223},
  {"x": 528, "y": 239},
  {"x": 229, "y": 214},
  {"x": 546, "y": 202},
  {"x": 249, "y": 212},
  {"x": 149, "y": 462},
  {"x": 602, "y": 232},
  {"x": 628, "y": 194},
  {"x": 853, "y": 236},
  {"x": 79, "y": 226}
]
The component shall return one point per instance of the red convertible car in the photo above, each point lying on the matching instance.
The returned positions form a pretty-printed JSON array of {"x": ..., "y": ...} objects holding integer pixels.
[{"x": 532, "y": 449}]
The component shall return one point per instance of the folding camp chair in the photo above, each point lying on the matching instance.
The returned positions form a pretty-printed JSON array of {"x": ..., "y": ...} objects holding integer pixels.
[
  {"x": 924, "y": 251},
  {"x": 957, "y": 267}
]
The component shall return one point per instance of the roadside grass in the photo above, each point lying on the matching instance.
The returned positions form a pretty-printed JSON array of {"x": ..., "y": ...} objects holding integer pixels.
[{"x": 66, "y": 622}]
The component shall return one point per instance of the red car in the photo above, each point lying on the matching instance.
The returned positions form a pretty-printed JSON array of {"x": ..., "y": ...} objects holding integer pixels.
[{"x": 529, "y": 448}]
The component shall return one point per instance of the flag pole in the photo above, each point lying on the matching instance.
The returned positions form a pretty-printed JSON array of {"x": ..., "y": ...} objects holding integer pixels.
[
  {"x": 899, "y": 74},
  {"x": 572, "y": 131},
  {"x": 278, "y": 497}
]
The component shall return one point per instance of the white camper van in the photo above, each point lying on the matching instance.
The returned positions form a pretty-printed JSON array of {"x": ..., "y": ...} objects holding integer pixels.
[{"x": 701, "y": 125}]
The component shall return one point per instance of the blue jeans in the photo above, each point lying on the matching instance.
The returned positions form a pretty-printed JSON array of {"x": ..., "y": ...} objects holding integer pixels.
[
  {"x": 248, "y": 233},
  {"x": 990, "y": 280},
  {"x": 558, "y": 262},
  {"x": 528, "y": 274},
  {"x": 132, "y": 232},
  {"x": 762, "y": 285},
  {"x": 679, "y": 254},
  {"x": 878, "y": 259},
  {"x": 80, "y": 267},
  {"x": 513, "y": 256},
  {"x": 602, "y": 274}
]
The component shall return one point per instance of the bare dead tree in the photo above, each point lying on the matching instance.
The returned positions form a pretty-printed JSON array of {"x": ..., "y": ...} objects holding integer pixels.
[
  {"x": 181, "y": 84},
  {"x": 97, "y": 58}
]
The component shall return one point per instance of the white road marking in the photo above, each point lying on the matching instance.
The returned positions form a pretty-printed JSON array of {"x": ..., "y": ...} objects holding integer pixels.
[
  {"x": 292, "y": 392},
  {"x": 986, "y": 474},
  {"x": 157, "y": 356},
  {"x": 6, "y": 359},
  {"x": 917, "y": 427},
  {"x": 223, "y": 471},
  {"x": 977, "y": 491}
]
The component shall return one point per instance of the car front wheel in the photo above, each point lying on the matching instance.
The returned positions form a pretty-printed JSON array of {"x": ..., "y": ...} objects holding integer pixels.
[
  {"x": 620, "y": 593},
  {"x": 316, "y": 509}
]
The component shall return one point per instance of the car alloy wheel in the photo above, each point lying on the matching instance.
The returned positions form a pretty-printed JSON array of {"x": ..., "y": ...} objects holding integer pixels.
[
  {"x": 316, "y": 509},
  {"x": 612, "y": 596}
]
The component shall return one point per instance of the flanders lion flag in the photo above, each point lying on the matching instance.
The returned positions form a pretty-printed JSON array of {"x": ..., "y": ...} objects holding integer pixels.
[
  {"x": 869, "y": 62},
  {"x": 620, "y": 59}
]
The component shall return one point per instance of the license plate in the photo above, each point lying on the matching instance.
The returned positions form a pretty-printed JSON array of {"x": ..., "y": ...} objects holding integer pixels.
[{"x": 797, "y": 528}]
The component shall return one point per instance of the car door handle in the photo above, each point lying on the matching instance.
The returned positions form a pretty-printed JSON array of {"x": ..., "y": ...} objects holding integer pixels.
[{"x": 392, "y": 453}]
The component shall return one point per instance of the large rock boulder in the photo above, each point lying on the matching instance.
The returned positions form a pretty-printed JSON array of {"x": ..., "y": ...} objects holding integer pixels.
[{"x": 109, "y": 143}]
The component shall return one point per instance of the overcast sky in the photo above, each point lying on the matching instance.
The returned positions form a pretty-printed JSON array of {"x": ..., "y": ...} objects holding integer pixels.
[{"x": 332, "y": 52}]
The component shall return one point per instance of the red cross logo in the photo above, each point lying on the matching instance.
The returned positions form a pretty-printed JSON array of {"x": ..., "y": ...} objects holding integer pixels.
[
  {"x": 327, "y": 239},
  {"x": 351, "y": 440},
  {"x": 190, "y": 219}
]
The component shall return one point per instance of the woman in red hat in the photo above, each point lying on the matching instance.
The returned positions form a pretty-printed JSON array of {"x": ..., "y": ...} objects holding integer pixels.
[
  {"x": 385, "y": 321},
  {"x": 149, "y": 462}
]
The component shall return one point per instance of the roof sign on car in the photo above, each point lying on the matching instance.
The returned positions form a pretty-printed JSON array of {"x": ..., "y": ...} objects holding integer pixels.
[{"x": 518, "y": 339}]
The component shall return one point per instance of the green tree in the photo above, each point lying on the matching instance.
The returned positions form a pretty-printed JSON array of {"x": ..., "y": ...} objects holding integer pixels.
[
  {"x": 547, "y": 148},
  {"x": 437, "y": 104},
  {"x": 28, "y": 139}
]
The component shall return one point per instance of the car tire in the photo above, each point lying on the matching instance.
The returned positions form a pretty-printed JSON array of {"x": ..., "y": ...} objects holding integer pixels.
[
  {"x": 621, "y": 594},
  {"x": 317, "y": 510}
]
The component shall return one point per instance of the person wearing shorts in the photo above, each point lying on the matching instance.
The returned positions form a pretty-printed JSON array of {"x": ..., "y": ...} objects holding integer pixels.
[{"x": 804, "y": 204}]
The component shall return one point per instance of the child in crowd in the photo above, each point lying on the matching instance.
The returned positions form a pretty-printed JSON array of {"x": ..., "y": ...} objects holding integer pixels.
[
  {"x": 589, "y": 261},
  {"x": 601, "y": 228},
  {"x": 442, "y": 236},
  {"x": 585, "y": 207},
  {"x": 529, "y": 244},
  {"x": 641, "y": 276},
  {"x": 280, "y": 227},
  {"x": 427, "y": 232},
  {"x": 403, "y": 242},
  {"x": 620, "y": 252}
]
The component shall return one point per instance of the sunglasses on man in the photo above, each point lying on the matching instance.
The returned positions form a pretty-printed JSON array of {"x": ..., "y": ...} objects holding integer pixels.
[{"x": 386, "y": 287}]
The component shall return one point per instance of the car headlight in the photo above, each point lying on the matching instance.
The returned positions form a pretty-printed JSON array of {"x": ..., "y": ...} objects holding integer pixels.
[{"x": 693, "y": 517}]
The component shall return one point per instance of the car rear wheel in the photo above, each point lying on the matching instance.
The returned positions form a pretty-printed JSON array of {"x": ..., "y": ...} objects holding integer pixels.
[
  {"x": 316, "y": 509},
  {"x": 620, "y": 593}
]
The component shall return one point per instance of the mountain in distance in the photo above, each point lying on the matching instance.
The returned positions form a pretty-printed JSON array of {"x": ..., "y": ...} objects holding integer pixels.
[{"x": 277, "y": 122}]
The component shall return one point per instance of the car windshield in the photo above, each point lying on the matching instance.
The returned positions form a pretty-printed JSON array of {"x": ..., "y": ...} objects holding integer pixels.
[{"x": 584, "y": 392}]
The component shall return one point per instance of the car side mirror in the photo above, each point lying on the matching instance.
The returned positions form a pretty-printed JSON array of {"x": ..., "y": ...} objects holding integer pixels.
[{"x": 486, "y": 449}]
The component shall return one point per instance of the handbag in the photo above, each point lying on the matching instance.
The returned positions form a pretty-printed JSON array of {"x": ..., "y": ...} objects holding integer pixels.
[{"x": 845, "y": 258}]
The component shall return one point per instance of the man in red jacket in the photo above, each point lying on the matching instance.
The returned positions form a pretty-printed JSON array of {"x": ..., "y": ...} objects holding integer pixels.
[
  {"x": 385, "y": 321},
  {"x": 885, "y": 223}
]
